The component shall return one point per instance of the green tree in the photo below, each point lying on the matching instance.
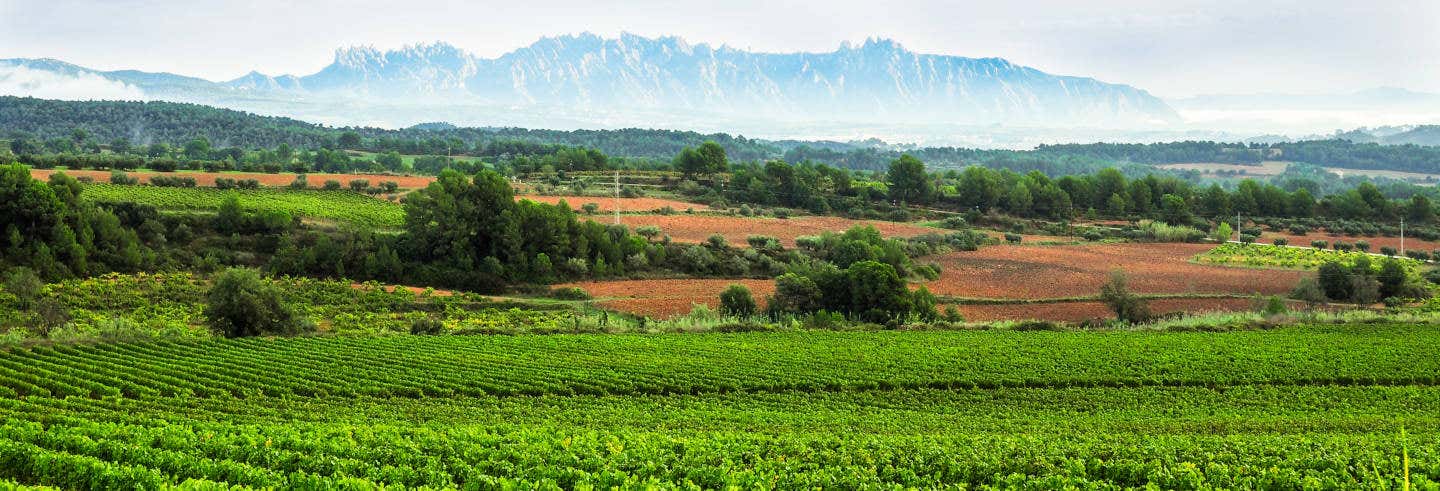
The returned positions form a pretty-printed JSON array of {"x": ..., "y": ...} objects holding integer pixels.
[
  {"x": 708, "y": 158},
  {"x": 1335, "y": 280},
  {"x": 736, "y": 301},
  {"x": 243, "y": 304},
  {"x": 1174, "y": 210},
  {"x": 908, "y": 181}
]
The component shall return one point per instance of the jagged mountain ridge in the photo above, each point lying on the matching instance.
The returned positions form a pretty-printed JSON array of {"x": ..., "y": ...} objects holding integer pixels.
[{"x": 585, "y": 73}]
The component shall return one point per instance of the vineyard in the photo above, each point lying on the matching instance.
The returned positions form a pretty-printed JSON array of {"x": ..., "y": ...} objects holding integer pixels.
[
  {"x": 342, "y": 206},
  {"x": 1269, "y": 256},
  {"x": 1323, "y": 406}
]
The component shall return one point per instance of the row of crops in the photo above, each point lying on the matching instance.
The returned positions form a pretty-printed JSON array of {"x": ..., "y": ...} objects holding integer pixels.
[
  {"x": 342, "y": 206},
  {"x": 1257, "y": 438},
  {"x": 475, "y": 366},
  {"x": 1318, "y": 407},
  {"x": 1271, "y": 256}
]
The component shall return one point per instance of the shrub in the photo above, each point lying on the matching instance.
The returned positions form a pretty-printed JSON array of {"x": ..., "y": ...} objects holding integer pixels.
[
  {"x": 243, "y": 304},
  {"x": 1388, "y": 251},
  {"x": 1013, "y": 238},
  {"x": 1362, "y": 246},
  {"x": 359, "y": 185},
  {"x": 1247, "y": 238},
  {"x": 1300, "y": 230},
  {"x": 25, "y": 285},
  {"x": 331, "y": 185},
  {"x": 1319, "y": 244},
  {"x": 1418, "y": 254},
  {"x": 119, "y": 177},
  {"x": 717, "y": 241},
  {"x": 172, "y": 181},
  {"x": 955, "y": 223},
  {"x": 736, "y": 301},
  {"x": 1128, "y": 307},
  {"x": 1281, "y": 241},
  {"x": 570, "y": 293},
  {"x": 1309, "y": 291},
  {"x": 649, "y": 232},
  {"x": 427, "y": 327},
  {"x": 300, "y": 182},
  {"x": 590, "y": 208}
]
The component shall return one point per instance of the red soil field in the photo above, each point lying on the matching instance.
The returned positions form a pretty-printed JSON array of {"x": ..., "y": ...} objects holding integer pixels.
[
  {"x": 688, "y": 228},
  {"x": 663, "y": 299},
  {"x": 270, "y": 180},
  {"x": 1083, "y": 311},
  {"x": 1375, "y": 242},
  {"x": 608, "y": 204},
  {"x": 1079, "y": 270}
]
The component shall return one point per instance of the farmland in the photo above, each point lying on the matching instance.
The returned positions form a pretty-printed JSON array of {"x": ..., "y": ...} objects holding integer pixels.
[
  {"x": 607, "y": 204},
  {"x": 666, "y": 297},
  {"x": 339, "y": 206},
  {"x": 1272, "y": 168},
  {"x": 1319, "y": 405},
  {"x": 690, "y": 228},
  {"x": 315, "y": 180},
  {"x": 1034, "y": 272}
]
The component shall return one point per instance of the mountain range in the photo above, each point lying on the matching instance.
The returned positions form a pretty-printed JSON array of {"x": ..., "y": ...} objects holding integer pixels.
[{"x": 588, "y": 80}]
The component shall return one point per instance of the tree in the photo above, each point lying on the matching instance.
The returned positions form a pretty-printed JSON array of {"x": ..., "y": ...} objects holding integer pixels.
[
  {"x": 908, "y": 181},
  {"x": 736, "y": 301},
  {"x": 197, "y": 149},
  {"x": 1128, "y": 307},
  {"x": 1335, "y": 281},
  {"x": 1174, "y": 210},
  {"x": 707, "y": 159},
  {"x": 1392, "y": 279},
  {"x": 25, "y": 285},
  {"x": 795, "y": 294},
  {"x": 243, "y": 304},
  {"x": 349, "y": 140},
  {"x": 1310, "y": 292}
]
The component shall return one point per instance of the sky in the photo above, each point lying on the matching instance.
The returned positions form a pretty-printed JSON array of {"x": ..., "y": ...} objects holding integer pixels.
[{"x": 1172, "y": 48}]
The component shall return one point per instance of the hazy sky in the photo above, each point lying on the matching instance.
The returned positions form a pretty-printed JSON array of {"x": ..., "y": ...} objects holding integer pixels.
[{"x": 1169, "y": 47}]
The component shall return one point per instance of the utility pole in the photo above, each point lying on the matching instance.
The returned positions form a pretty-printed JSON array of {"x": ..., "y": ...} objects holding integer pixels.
[
  {"x": 1237, "y": 227},
  {"x": 617, "y": 196}
]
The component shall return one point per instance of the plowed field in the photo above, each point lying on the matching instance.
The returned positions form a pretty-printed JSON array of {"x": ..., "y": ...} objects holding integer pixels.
[{"x": 1079, "y": 270}]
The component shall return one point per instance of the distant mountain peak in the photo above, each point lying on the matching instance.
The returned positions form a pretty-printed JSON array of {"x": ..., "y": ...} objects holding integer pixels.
[{"x": 595, "y": 76}]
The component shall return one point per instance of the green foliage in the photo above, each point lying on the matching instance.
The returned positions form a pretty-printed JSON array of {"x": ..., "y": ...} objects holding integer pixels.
[
  {"x": 242, "y": 304},
  {"x": 1268, "y": 256},
  {"x": 1128, "y": 306},
  {"x": 326, "y": 205},
  {"x": 736, "y": 301}
]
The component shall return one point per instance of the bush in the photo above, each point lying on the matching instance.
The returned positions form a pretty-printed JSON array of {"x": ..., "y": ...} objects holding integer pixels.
[
  {"x": 955, "y": 223},
  {"x": 1128, "y": 307},
  {"x": 300, "y": 182},
  {"x": 359, "y": 185},
  {"x": 1013, "y": 238},
  {"x": 736, "y": 301},
  {"x": 1362, "y": 246},
  {"x": 570, "y": 293},
  {"x": 1388, "y": 251},
  {"x": 118, "y": 177},
  {"x": 1319, "y": 244},
  {"x": 243, "y": 304},
  {"x": 427, "y": 327},
  {"x": 331, "y": 185},
  {"x": 649, "y": 232},
  {"x": 1247, "y": 239},
  {"x": 590, "y": 208},
  {"x": 172, "y": 181},
  {"x": 1300, "y": 230},
  {"x": 1281, "y": 241},
  {"x": 1418, "y": 254}
]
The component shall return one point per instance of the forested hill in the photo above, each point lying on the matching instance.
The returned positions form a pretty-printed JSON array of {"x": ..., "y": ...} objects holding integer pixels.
[{"x": 175, "y": 123}]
